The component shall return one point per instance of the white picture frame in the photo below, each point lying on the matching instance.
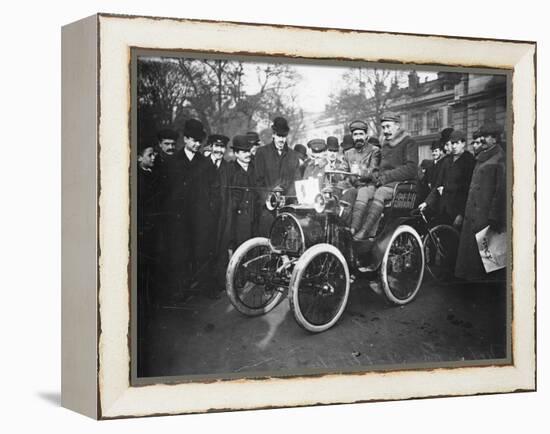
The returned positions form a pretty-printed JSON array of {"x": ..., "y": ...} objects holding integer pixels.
[{"x": 96, "y": 330}]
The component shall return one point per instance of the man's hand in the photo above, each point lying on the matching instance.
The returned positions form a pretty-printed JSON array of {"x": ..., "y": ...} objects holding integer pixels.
[
  {"x": 377, "y": 178},
  {"x": 422, "y": 206},
  {"x": 440, "y": 189},
  {"x": 458, "y": 221}
]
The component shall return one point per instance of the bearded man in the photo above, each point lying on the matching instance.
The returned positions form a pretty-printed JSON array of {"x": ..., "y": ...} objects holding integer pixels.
[{"x": 362, "y": 160}]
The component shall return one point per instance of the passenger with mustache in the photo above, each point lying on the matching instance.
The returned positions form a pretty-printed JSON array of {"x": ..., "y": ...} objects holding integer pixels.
[{"x": 399, "y": 162}]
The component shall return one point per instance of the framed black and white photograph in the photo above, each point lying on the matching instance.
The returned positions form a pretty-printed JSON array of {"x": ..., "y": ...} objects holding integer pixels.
[{"x": 288, "y": 216}]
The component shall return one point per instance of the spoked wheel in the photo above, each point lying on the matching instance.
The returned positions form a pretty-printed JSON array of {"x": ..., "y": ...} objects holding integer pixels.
[
  {"x": 402, "y": 267},
  {"x": 440, "y": 250},
  {"x": 250, "y": 277},
  {"x": 319, "y": 287}
]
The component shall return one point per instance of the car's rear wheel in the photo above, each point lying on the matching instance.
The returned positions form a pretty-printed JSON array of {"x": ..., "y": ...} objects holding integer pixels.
[
  {"x": 319, "y": 287},
  {"x": 250, "y": 277},
  {"x": 402, "y": 268}
]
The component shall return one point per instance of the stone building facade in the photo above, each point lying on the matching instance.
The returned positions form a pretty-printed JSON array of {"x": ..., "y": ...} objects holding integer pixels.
[{"x": 457, "y": 100}]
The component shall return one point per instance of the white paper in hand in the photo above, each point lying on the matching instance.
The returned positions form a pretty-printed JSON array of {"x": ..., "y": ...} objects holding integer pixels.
[
  {"x": 492, "y": 249},
  {"x": 306, "y": 190}
]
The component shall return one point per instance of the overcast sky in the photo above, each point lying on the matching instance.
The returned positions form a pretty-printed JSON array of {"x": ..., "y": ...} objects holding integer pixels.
[{"x": 318, "y": 82}]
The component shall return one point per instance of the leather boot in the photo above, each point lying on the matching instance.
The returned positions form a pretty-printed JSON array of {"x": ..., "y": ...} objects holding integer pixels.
[
  {"x": 358, "y": 212},
  {"x": 375, "y": 211}
]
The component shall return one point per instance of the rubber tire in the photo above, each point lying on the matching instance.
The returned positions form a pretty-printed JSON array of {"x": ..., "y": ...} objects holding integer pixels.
[
  {"x": 241, "y": 251},
  {"x": 425, "y": 240},
  {"x": 383, "y": 275},
  {"x": 297, "y": 273}
]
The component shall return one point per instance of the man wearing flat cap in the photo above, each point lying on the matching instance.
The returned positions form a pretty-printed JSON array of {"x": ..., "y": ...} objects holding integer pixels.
[
  {"x": 315, "y": 167},
  {"x": 399, "y": 162},
  {"x": 486, "y": 203},
  {"x": 239, "y": 214},
  {"x": 275, "y": 164},
  {"x": 199, "y": 196},
  {"x": 448, "y": 196},
  {"x": 362, "y": 160},
  {"x": 218, "y": 146}
]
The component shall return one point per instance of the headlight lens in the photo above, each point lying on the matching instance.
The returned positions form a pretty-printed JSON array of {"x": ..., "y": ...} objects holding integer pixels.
[
  {"x": 271, "y": 202},
  {"x": 320, "y": 203}
]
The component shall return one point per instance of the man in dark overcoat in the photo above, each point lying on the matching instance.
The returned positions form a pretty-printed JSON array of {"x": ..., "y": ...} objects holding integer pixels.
[
  {"x": 199, "y": 198},
  {"x": 448, "y": 196},
  {"x": 486, "y": 204},
  {"x": 275, "y": 164},
  {"x": 169, "y": 220},
  {"x": 218, "y": 144},
  {"x": 399, "y": 162},
  {"x": 241, "y": 203},
  {"x": 147, "y": 208}
]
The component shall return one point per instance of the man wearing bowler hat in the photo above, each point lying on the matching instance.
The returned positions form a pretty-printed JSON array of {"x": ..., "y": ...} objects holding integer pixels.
[
  {"x": 362, "y": 160},
  {"x": 275, "y": 164},
  {"x": 399, "y": 162},
  {"x": 240, "y": 210},
  {"x": 199, "y": 203},
  {"x": 334, "y": 163},
  {"x": 254, "y": 140}
]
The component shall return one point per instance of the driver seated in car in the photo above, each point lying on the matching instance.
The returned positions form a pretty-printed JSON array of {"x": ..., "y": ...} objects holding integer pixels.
[
  {"x": 362, "y": 160},
  {"x": 399, "y": 163}
]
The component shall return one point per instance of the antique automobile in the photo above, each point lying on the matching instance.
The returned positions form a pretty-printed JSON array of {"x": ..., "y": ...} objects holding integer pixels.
[{"x": 311, "y": 255}]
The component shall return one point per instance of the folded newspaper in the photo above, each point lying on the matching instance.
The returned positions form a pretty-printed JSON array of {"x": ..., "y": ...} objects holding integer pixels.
[{"x": 492, "y": 249}]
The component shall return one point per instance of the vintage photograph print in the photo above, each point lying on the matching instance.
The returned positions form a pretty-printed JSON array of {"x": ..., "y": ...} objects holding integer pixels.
[{"x": 294, "y": 217}]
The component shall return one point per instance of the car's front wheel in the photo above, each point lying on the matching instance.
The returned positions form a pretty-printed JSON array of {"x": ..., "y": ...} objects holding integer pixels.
[
  {"x": 319, "y": 287},
  {"x": 250, "y": 277}
]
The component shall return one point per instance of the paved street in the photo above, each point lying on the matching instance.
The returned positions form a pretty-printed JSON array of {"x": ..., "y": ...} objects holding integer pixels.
[{"x": 444, "y": 323}]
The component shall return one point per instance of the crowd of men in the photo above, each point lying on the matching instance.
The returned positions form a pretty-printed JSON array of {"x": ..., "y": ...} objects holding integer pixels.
[{"x": 197, "y": 204}]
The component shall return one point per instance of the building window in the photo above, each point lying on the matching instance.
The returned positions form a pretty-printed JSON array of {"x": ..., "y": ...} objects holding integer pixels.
[
  {"x": 474, "y": 125},
  {"x": 415, "y": 124},
  {"x": 434, "y": 121}
]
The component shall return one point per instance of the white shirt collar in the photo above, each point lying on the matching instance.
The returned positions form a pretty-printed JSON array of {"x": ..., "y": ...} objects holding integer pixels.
[
  {"x": 189, "y": 154},
  {"x": 241, "y": 164},
  {"x": 216, "y": 162}
]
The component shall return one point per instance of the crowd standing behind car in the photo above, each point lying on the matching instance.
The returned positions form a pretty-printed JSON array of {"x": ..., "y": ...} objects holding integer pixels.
[{"x": 195, "y": 207}]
